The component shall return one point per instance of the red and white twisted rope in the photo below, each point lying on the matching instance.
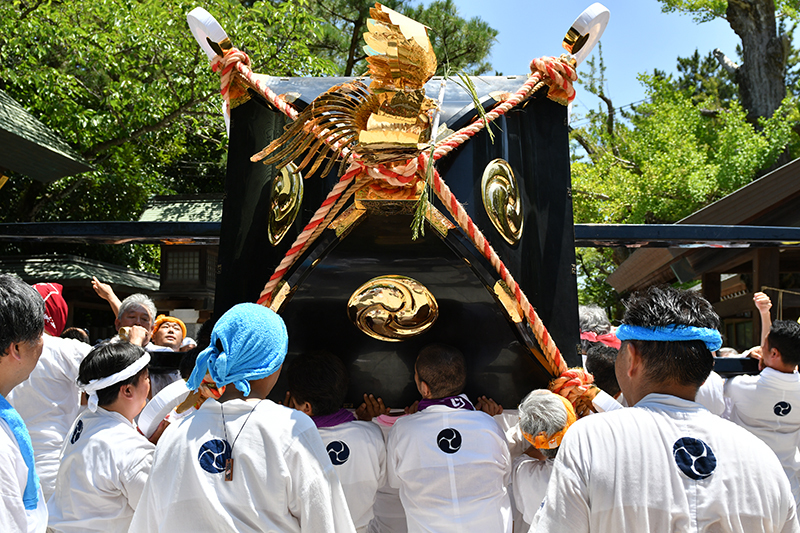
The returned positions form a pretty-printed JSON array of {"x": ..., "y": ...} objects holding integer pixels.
[
  {"x": 330, "y": 207},
  {"x": 543, "y": 67},
  {"x": 304, "y": 238},
  {"x": 236, "y": 59},
  {"x": 551, "y": 351}
]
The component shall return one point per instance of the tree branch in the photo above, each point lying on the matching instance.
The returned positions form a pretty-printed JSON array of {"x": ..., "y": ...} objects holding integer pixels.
[
  {"x": 585, "y": 144},
  {"x": 596, "y": 195},
  {"x": 33, "y": 7},
  {"x": 46, "y": 199},
  {"x": 105, "y": 145},
  {"x": 726, "y": 62}
]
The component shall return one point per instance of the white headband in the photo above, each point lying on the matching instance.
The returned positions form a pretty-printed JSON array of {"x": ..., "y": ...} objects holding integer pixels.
[{"x": 128, "y": 372}]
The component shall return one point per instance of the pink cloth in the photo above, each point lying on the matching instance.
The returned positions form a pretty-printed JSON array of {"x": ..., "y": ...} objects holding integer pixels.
[{"x": 609, "y": 339}]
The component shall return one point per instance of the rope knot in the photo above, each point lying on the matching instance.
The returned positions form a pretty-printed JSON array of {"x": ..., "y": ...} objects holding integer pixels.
[
  {"x": 559, "y": 75},
  {"x": 576, "y": 385},
  {"x": 225, "y": 66}
]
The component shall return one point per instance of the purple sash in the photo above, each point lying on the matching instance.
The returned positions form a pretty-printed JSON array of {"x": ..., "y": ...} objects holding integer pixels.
[
  {"x": 334, "y": 419},
  {"x": 454, "y": 402}
]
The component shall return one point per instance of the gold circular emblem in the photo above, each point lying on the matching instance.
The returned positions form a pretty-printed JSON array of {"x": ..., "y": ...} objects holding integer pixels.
[
  {"x": 501, "y": 199},
  {"x": 392, "y": 308},
  {"x": 285, "y": 202}
]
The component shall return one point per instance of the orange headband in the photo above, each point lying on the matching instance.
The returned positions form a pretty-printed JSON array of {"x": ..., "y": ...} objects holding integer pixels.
[
  {"x": 542, "y": 441},
  {"x": 163, "y": 318}
]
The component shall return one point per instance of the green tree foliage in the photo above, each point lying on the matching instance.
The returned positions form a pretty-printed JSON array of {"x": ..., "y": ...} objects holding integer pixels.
[
  {"x": 125, "y": 84},
  {"x": 689, "y": 145},
  {"x": 760, "y": 24},
  {"x": 672, "y": 157},
  {"x": 460, "y": 43}
]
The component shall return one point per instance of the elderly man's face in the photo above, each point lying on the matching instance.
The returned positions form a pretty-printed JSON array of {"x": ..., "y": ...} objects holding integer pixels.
[
  {"x": 135, "y": 316},
  {"x": 168, "y": 334}
]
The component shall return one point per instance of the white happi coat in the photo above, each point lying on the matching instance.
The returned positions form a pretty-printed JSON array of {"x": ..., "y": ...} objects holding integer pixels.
[
  {"x": 664, "y": 465},
  {"x": 389, "y": 515},
  {"x": 282, "y": 480},
  {"x": 529, "y": 479},
  {"x": 452, "y": 467},
  {"x": 358, "y": 453},
  {"x": 709, "y": 395},
  {"x": 768, "y": 405},
  {"x": 104, "y": 466},
  {"x": 48, "y": 401},
  {"x": 14, "y": 475}
]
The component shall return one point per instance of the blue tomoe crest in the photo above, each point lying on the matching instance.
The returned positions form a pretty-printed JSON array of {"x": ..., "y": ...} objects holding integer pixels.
[
  {"x": 694, "y": 458},
  {"x": 213, "y": 455},
  {"x": 339, "y": 452}
]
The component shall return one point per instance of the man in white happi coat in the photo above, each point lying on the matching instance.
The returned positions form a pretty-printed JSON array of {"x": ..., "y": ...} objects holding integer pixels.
[
  {"x": 242, "y": 463},
  {"x": 317, "y": 386},
  {"x": 665, "y": 464},
  {"x": 106, "y": 461},
  {"x": 544, "y": 418},
  {"x": 768, "y": 405},
  {"x": 450, "y": 462},
  {"x": 22, "y": 505},
  {"x": 49, "y": 400}
]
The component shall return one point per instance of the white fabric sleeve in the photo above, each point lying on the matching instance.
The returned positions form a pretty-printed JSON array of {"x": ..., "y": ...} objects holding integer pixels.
[
  {"x": 565, "y": 508},
  {"x": 711, "y": 394},
  {"x": 604, "y": 402},
  {"x": 12, "y": 512},
  {"x": 391, "y": 462},
  {"x": 315, "y": 497},
  {"x": 134, "y": 477},
  {"x": 792, "y": 525}
]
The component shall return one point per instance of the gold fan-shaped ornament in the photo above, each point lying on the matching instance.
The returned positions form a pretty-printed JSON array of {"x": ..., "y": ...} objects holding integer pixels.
[{"x": 383, "y": 123}]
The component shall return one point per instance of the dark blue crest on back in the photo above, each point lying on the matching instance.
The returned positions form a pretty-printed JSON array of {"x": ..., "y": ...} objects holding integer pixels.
[
  {"x": 782, "y": 408},
  {"x": 449, "y": 440},
  {"x": 339, "y": 452},
  {"x": 77, "y": 433},
  {"x": 213, "y": 454},
  {"x": 694, "y": 458}
]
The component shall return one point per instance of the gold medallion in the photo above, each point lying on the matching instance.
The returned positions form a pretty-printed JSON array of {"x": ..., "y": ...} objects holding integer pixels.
[
  {"x": 392, "y": 308},
  {"x": 285, "y": 201},
  {"x": 501, "y": 199}
]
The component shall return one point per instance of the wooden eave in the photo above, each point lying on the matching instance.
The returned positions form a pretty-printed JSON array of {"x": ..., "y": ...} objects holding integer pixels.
[{"x": 767, "y": 201}]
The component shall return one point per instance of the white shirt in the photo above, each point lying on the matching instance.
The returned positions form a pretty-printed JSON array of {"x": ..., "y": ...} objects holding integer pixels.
[
  {"x": 709, "y": 395},
  {"x": 768, "y": 405},
  {"x": 48, "y": 401},
  {"x": 283, "y": 480},
  {"x": 529, "y": 479},
  {"x": 389, "y": 515},
  {"x": 629, "y": 470},
  {"x": 452, "y": 467},
  {"x": 358, "y": 454},
  {"x": 13, "y": 480},
  {"x": 104, "y": 467}
]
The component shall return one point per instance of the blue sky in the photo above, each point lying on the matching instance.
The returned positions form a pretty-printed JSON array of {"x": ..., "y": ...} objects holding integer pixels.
[{"x": 638, "y": 38}]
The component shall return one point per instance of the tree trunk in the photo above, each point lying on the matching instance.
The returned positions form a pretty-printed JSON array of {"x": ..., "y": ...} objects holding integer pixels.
[
  {"x": 760, "y": 77},
  {"x": 355, "y": 39}
]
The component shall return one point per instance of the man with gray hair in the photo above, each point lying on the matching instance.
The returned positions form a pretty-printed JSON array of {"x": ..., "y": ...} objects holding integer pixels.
[
  {"x": 136, "y": 310},
  {"x": 666, "y": 463},
  {"x": 544, "y": 417},
  {"x": 22, "y": 505}
]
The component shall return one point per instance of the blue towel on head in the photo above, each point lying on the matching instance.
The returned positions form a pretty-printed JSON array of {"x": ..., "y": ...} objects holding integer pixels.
[
  {"x": 254, "y": 344},
  {"x": 31, "y": 495},
  {"x": 710, "y": 337}
]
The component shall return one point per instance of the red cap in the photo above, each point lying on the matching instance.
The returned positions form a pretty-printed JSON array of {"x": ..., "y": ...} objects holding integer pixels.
[{"x": 55, "y": 308}]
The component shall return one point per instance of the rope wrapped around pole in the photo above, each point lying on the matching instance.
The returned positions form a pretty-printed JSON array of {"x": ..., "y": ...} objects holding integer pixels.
[{"x": 546, "y": 70}]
